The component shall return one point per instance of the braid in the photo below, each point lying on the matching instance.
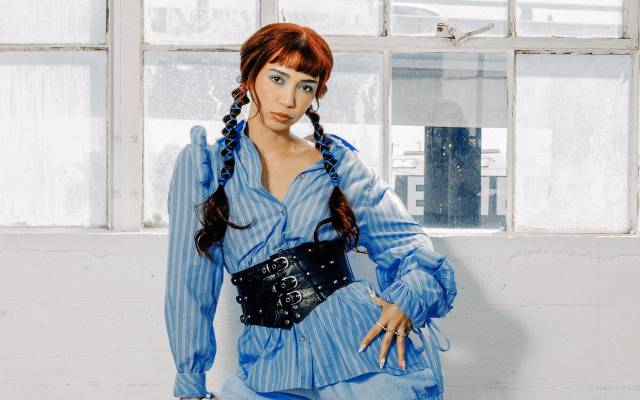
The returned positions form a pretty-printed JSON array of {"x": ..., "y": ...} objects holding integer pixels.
[
  {"x": 231, "y": 135},
  {"x": 342, "y": 216},
  {"x": 215, "y": 209}
]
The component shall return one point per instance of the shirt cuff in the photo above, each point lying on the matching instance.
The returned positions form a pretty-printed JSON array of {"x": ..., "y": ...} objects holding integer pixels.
[
  {"x": 406, "y": 300},
  {"x": 190, "y": 384}
]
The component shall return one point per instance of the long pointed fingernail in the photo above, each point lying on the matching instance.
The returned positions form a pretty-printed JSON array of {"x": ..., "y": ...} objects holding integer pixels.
[
  {"x": 403, "y": 365},
  {"x": 382, "y": 360},
  {"x": 362, "y": 347}
]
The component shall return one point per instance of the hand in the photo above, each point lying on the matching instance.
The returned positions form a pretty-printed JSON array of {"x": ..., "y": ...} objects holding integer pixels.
[{"x": 393, "y": 319}]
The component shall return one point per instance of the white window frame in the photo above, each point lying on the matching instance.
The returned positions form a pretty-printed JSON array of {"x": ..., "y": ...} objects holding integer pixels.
[{"x": 125, "y": 67}]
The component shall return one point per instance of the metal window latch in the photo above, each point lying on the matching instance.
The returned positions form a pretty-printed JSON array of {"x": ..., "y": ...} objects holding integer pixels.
[{"x": 455, "y": 36}]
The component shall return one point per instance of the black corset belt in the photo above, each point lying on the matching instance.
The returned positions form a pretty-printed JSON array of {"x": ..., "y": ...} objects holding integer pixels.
[{"x": 283, "y": 289}]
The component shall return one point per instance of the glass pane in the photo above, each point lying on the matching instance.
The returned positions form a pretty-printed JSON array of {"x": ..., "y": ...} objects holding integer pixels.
[
  {"x": 449, "y": 138},
  {"x": 572, "y": 135},
  {"x": 334, "y": 17},
  {"x": 53, "y": 130},
  {"x": 181, "y": 89},
  {"x": 573, "y": 18},
  {"x": 200, "y": 22},
  {"x": 420, "y": 17},
  {"x": 53, "y": 21},
  {"x": 352, "y": 106}
]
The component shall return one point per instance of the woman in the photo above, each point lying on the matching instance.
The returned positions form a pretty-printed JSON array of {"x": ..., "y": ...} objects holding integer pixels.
[{"x": 263, "y": 196}]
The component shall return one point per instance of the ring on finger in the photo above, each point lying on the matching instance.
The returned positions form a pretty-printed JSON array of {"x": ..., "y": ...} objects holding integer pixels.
[
  {"x": 400, "y": 333},
  {"x": 378, "y": 323}
]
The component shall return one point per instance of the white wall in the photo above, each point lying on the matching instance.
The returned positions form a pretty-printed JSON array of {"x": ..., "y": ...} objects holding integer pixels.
[{"x": 536, "y": 317}]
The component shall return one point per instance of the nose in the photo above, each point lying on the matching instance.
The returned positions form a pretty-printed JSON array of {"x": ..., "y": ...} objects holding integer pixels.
[{"x": 288, "y": 98}]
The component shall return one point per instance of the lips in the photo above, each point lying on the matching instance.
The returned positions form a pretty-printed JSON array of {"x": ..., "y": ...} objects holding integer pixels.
[{"x": 281, "y": 116}]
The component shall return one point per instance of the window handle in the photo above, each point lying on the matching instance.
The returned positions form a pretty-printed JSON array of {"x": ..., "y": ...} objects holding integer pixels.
[{"x": 455, "y": 36}]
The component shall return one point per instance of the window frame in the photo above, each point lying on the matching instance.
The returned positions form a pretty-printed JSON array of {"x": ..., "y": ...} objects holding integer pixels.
[{"x": 125, "y": 48}]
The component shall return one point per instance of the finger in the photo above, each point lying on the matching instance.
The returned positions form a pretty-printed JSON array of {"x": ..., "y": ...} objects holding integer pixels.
[
  {"x": 400, "y": 348},
  {"x": 384, "y": 348},
  {"x": 378, "y": 301},
  {"x": 371, "y": 334},
  {"x": 375, "y": 298}
]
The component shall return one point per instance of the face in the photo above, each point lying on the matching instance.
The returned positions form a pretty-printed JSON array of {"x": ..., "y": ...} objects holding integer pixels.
[{"x": 283, "y": 90}]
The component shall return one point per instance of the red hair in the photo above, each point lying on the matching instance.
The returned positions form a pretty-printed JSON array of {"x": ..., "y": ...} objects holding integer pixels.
[
  {"x": 294, "y": 46},
  {"x": 303, "y": 50}
]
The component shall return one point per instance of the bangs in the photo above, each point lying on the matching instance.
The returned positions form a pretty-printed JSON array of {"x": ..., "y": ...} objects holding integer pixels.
[{"x": 302, "y": 59}]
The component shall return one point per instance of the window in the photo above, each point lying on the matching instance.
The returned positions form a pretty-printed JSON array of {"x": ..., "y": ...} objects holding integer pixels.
[
  {"x": 449, "y": 115},
  {"x": 420, "y": 18},
  {"x": 570, "y": 18},
  {"x": 53, "y": 114},
  {"x": 528, "y": 126},
  {"x": 572, "y": 144},
  {"x": 356, "y": 17}
]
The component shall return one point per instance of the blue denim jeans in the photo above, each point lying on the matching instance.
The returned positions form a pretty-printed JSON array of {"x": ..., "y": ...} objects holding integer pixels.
[{"x": 420, "y": 385}]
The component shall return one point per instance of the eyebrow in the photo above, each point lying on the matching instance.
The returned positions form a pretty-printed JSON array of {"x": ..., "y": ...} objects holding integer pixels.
[{"x": 287, "y": 75}]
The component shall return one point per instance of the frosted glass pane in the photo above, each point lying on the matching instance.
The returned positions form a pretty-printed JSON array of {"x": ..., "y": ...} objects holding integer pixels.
[
  {"x": 187, "y": 88},
  {"x": 421, "y": 17},
  {"x": 352, "y": 106},
  {"x": 572, "y": 135},
  {"x": 200, "y": 22},
  {"x": 334, "y": 17},
  {"x": 53, "y": 21},
  {"x": 181, "y": 89},
  {"x": 572, "y": 18},
  {"x": 53, "y": 130},
  {"x": 449, "y": 138}
]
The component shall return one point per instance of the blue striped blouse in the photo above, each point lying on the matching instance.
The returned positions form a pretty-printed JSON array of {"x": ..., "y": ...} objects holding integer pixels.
[{"x": 323, "y": 348}]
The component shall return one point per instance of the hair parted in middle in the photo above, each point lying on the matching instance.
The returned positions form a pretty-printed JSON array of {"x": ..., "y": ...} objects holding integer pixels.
[{"x": 302, "y": 49}]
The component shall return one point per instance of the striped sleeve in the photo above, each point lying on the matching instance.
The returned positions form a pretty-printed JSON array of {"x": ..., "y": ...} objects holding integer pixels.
[
  {"x": 410, "y": 274},
  {"x": 193, "y": 282}
]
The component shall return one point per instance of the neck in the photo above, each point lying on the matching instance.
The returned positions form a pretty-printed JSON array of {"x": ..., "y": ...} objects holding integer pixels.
[{"x": 269, "y": 142}]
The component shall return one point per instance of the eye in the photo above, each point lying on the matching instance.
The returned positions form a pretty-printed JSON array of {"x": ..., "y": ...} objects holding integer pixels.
[
  {"x": 275, "y": 77},
  {"x": 309, "y": 87}
]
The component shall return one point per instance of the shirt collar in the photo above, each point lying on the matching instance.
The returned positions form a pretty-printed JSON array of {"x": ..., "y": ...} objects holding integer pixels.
[{"x": 249, "y": 159}]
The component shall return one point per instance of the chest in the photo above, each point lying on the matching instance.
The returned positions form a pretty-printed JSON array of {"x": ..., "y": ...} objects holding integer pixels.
[
  {"x": 278, "y": 175},
  {"x": 280, "y": 219}
]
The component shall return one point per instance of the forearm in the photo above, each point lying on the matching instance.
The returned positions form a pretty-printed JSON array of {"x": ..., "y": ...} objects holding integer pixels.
[{"x": 418, "y": 295}]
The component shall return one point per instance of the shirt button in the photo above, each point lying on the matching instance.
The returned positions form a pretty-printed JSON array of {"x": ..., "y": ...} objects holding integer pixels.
[
  {"x": 281, "y": 212},
  {"x": 301, "y": 176},
  {"x": 303, "y": 338}
]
